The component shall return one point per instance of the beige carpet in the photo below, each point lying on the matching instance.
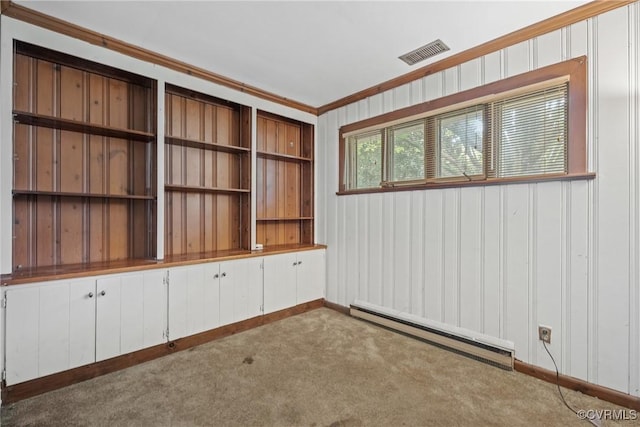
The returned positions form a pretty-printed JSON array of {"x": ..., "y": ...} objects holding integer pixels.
[{"x": 317, "y": 369}]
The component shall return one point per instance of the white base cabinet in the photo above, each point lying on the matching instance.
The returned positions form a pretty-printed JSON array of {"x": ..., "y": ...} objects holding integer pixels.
[
  {"x": 293, "y": 278},
  {"x": 240, "y": 290},
  {"x": 205, "y": 296},
  {"x": 194, "y": 300},
  {"x": 59, "y": 325},
  {"x": 52, "y": 327}
]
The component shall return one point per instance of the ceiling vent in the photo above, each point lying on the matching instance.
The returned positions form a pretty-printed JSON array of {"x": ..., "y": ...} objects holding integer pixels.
[{"x": 424, "y": 52}]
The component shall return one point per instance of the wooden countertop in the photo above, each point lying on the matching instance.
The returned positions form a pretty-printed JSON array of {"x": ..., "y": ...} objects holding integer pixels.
[{"x": 72, "y": 271}]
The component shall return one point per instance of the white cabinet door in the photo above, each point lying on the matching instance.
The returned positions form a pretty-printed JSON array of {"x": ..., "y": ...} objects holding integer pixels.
[
  {"x": 82, "y": 323},
  {"x": 310, "y": 276},
  {"x": 22, "y": 337},
  {"x": 211, "y": 296},
  {"x": 178, "y": 303},
  {"x": 130, "y": 313},
  {"x": 254, "y": 288},
  {"x": 240, "y": 290},
  {"x": 279, "y": 282},
  {"x": 108, "y": 318},
  {"x": 154, "y": 308},
  {"x": 49, "y": 328},
  {"x": 193, "y": 299}
]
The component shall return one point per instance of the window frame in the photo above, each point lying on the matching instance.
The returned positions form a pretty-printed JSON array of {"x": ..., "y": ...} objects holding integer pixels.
[{"x": 574, "y": 71}]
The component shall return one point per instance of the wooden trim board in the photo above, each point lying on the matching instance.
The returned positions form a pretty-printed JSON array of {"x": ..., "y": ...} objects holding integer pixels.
[
  {"x": 572, "y": 16},
  {"x": 38, "y": 386},
  {"x": 337, "y": 307},
  {"x": 42, "y": 20},
  {"x": 584, "y": 387}
]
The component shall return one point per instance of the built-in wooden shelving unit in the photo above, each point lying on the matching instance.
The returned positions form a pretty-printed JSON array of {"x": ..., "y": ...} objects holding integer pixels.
[
  {"x": 284, "y": 181},
  {"x": 84, "y": 161},
  {"x": 84, "y": 176},
  {"x": 207, "y": 173}
]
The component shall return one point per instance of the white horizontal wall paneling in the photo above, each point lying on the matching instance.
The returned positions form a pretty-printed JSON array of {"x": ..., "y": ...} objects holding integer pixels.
[{"x": 500, "y": 260}]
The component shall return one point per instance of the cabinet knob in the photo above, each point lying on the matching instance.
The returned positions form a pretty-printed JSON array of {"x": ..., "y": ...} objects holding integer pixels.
[
  {"x": 90, "y": 295},
  {"x": 299, "y": 262},
  {"x": 295, "y": 263},
  {"x": 103, "y": 293},
  {"x": 215, "y": 276},
  {"x": 224, "y": 274}
]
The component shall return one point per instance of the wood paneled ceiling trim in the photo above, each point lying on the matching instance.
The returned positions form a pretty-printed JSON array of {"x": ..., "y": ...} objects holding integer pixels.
[
  {"x": 59, "y": 26},
  {"x": 572, "y": 16}
]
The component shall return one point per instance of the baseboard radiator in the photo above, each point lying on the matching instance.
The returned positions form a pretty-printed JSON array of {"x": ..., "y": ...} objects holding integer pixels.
[{"x": 490, "y": 350}]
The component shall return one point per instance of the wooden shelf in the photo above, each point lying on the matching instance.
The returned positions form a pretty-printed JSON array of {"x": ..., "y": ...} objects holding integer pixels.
[
  {"x": 286, "y": 157},
  {"x": 299, "y": 218},
  {"x": 82, "y": 127},
  {"x": 196, "y": 189},
  {"x": 185, "y": 142},
  {"x": 89, "y": 195}
]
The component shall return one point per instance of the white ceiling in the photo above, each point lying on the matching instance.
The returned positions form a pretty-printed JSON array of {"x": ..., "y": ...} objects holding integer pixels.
[{"x": 313, "y": 52}]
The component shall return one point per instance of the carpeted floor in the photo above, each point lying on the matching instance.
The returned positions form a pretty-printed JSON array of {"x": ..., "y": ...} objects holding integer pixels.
[{"x": 320, "y": 368}]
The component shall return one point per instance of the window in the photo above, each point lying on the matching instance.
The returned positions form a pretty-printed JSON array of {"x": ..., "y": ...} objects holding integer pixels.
[
  {"x": 406, "y": 152},
  {"x": 530, "y": 126},
  {"x": 532, "y": 133},
  {"x": 459, "y": 143},
  {"x": 365, "y": 157}
]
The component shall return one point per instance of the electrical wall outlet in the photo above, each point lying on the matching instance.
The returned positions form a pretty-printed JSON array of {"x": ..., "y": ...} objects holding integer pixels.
[{"x": 544, "y": 333}]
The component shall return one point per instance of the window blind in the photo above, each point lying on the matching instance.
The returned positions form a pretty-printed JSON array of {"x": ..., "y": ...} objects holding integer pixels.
[{"x": 530, "y": 132}]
